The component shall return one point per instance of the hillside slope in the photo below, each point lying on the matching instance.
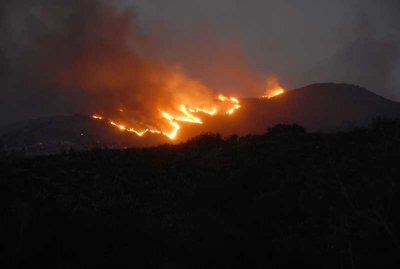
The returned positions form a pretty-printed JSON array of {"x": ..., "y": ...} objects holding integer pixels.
[{"x": 317, "y": 107}]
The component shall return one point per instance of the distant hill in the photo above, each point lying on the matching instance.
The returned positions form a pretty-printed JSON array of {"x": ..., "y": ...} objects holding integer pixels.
[
  {"x": 317, "y": 107},
  {"x": 329, "y": 106},
  {"x": 54, "y": 134}
]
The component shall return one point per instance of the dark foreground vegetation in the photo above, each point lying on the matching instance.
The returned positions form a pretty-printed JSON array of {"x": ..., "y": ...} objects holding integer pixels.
[{"x": 284, "y": 199}]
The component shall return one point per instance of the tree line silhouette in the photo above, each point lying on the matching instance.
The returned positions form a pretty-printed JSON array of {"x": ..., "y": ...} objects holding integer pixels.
[{"x": 285, "y": 198}]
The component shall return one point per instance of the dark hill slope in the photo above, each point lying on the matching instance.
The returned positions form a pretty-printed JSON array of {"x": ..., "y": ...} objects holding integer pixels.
[
  {"x": 326, "y": 106},
  {"x": 318, "y": 107},
  {"x": 50, "y": 135}
]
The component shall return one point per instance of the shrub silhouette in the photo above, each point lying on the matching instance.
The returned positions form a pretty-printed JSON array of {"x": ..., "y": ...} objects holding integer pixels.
[
  {"x": 276, "y": 200},
  {"x": 285, "y": 130}
]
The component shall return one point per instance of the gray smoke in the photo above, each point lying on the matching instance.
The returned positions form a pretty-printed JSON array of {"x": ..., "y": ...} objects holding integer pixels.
[
  {"x": 367, "y": 58},
  {"x": 353, "y": 41},
  {"x": 30, "y": 32}
]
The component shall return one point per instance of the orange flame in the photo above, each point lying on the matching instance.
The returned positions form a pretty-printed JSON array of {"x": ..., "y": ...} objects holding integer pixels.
[
  {"x": 274, "y": 93},
  {"x": 234, "y": 101},
  {"x": 205, "y": 111},
  {"x": 185, "y": 115},
  {"x": 188, "y": 117},
  {"x": 126, "y": 76},
  {"x": 272, "y": 87}
]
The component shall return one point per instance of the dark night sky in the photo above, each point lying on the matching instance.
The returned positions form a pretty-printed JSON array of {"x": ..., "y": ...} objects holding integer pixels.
[{"x": 303, "y": 41}]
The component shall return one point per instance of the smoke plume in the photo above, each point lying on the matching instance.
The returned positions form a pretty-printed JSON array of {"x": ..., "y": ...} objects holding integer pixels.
[
  {"x": 366, "y": 60},
  {"x": 91, "y": 56}
]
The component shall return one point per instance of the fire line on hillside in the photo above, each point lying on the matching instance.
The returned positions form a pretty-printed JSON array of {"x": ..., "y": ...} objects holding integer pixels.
[{"x": 223, "y": 105}]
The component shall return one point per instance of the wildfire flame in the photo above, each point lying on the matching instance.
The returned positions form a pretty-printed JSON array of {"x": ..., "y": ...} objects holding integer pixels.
[
  {"x": 139, "y": 86},
  {"x": 205, "y": 111},
  {"x": 184, "y": 114},
  {"x": 273, "y": 88},
  {"x": 274, "y": 93}
]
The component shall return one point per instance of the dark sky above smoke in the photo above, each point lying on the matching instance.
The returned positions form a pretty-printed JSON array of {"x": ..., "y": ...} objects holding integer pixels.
[{"x": 353, "y": 41}]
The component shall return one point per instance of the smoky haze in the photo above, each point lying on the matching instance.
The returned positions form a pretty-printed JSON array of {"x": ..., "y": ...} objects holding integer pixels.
[
  {"x": 352, "y": 41},
  {"x": 54, "y": 53}
]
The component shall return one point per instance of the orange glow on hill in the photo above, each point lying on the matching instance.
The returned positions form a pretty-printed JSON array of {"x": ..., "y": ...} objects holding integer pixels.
[
  {"x": 227, "y": 105},
  {"x": 273, "y": 88}
]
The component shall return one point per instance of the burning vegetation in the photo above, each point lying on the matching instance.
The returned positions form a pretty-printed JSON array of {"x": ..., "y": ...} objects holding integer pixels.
[
  {"x": 223, "y": 104},
  {"x": 273, "y": 88},
  {"x": 125, "y": 79}
]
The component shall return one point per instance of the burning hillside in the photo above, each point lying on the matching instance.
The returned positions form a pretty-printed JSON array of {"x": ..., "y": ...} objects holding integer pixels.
[
  {"x": 183, "y": 114},
  {"x": 273, "y": 88},
  {"x": 314, "y": 107},
  {"x": 127, "y": 81}
]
